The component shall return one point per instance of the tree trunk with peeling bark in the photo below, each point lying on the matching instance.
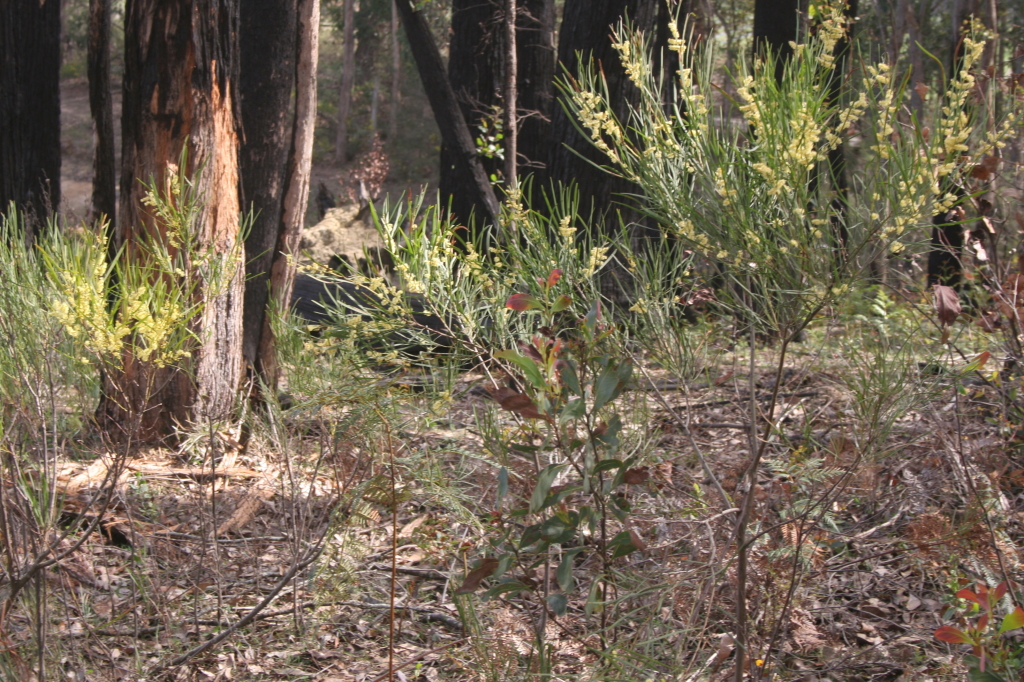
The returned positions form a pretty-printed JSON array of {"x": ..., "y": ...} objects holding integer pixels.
[
  {"x": 104, "y": 169},
  {"x": 30, "y": 107},
  {"x": 180, "y": 88}
]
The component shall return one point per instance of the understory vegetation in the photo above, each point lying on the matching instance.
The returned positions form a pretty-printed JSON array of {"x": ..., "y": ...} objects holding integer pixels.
[{"x": 783, "y": 459}]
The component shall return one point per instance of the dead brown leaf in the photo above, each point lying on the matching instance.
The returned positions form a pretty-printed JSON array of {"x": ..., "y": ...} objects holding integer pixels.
[{"x": 487, "y": 567}]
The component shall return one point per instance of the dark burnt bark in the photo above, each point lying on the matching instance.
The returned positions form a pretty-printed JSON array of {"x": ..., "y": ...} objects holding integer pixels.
[
  {"x": 455, "y": 133},
  {"x": 945, "y": 265},
  {"x": 268, "y": 51},
  {"x": 348, "y": 77},
  {"x": 837, "y": 156},
  {"x": 586, "y": 28},
  {"x": 474, "y": 71},
  {"x": 104, "y": 172},
  {"x": 30, "y": 107},
  {"x": 296, "y": 195},
  {"x": 535, "y": 39},
  {"x": 180, "y": 87},
  {"x": 776, "y": 25},
  {"x": 477, "y": 71}
]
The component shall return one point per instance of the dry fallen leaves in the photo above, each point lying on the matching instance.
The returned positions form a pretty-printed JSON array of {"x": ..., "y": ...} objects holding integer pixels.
[{"x": 947, "y": 307}]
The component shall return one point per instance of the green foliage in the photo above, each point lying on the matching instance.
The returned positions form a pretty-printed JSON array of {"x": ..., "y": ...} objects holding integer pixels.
[
  {"x": 993, "y": 658},
  {"x": 756, "y": 196}
]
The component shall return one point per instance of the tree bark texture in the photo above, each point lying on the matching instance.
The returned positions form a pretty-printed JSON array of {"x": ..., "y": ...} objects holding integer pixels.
[
  {"x": 947, "y": 240},
  {"x": 776, "y": 25},
  {"x": 348, "y": 77},
  {"x": 268, "y": 45},
  {"x": 478, "y": 73},
  {"x": 296, "y": 197},
  {"x": 535, "y": 41},
  {"x": 455, "y": 133},
  {"x": 104, "y": 170},
  {"x": 475, "y": 74},
  {"x": 180, "y": 80},
  {"x": 30, "y": 107},
  {"x": 396, "y": 75},
  {"x": 587, "y": 29},
  {"x": 511, "y": 99}
]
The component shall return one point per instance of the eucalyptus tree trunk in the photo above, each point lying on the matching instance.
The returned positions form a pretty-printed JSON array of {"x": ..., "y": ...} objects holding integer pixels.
[
  {"x": 455, "y": 133},
  {"x": 104, "y": 170},
  {"x": 348, "y": 77},
  {"x": 268, "y": 46},
  {"x": 947, "y": 240},
  {"x": 296, "y": 195},
  {"x": 586, "y": 31},
  {"x": 30, "y": 107},
  {"x": 180, "y": 89},
  {"x": 511, "y": 100},
  {"x": 396, "y": 75}
]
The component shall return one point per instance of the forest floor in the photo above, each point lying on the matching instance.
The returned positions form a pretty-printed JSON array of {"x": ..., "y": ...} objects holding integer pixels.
[{"x": 189, "y": 547}]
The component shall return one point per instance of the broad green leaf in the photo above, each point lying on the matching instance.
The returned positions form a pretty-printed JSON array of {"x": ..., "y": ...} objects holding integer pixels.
[
  {"x": 561, "y": 303},
  {"x": 510, "y": 587},
  {"x": 528, "y": 365},
  {"x": 544, "y": 481},
  {"x": 976, "y": 675},
  {"x": 623, "y": 544},
  {"x": 502, "y": 486},
  {"x": 1013, "y": 620},
  {"x": 564, "y": 572},
  {"x": 574, "y": 409},
  {"x": 558, "y": 603},
  {"x": 569, "y": 378},
  {"x": 607, "y": 464},
  {"x": 606, "y": 388}
]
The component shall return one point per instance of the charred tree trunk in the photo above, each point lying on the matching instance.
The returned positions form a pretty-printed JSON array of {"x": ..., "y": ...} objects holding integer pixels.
[
  {"x": 268, "y": 41},
  {"x": 474, "y": 72},
  {"x": 348, "y": 77},
  {"x": 181, "y": 75},
  {"x": 30, "y": 107},
  {"x": 396, "y": 75},
  {"x": 535, "y": 40},
  {"x": 776, "y": 25},
  {"x": 947, "y": 241},
  {"x": 296, "y": 195},
  {"x": 837, "y": 156},
  {"x": 586, "y": 28},
  {"x": 450, "y": 120},
  {"x": 104, "y": 171}
]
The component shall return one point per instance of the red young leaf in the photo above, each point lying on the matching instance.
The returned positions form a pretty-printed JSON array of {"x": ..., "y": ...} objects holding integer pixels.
[
  {"x": 969, "y": 596},
  {"x": 522, "y": 302},
  {"x": 553, "y": 278},
  {"x": 948, "y": 633},
  {"x": 1001, "y": 588},
  {"x": 476, "y": 576}
]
